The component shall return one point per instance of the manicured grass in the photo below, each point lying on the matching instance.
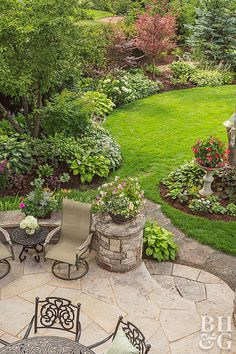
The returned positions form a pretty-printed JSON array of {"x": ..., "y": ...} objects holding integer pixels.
[
  {"x": 156, "y": 135},
  {"x": 98, "y": 14}
]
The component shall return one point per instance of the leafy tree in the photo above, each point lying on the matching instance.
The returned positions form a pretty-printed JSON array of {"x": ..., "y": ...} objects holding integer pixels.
[
  {"x": 185, "y": 12},
  {"x": 38, "y": 51},
  {"x": 155, "y": 34},
  {"x": 213, "y": 35}
]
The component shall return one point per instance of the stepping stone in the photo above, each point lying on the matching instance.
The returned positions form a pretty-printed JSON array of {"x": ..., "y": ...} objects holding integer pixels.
[{"x": 190, "y": 289}]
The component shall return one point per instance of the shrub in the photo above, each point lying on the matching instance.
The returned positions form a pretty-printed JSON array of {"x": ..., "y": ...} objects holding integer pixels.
[
  {"x": 209, "y": 204},
  {"x": 182, "y": 71},
  {"x": 215, "y": 77},
  {"x": 67, "y": 113},
  {"x": 117, "y": 89},
  {"x": 127, "y": 87},
  {"x": 210, "y": 152},
  {"x": 17, "y": 152},
  {"x": 228, "y": 180},
  {"x": 87, "y": 166},
  {"x": 159, "y": 243},
  {"x": 123, "y": 196},
  {"x": 100, "y": 103}
]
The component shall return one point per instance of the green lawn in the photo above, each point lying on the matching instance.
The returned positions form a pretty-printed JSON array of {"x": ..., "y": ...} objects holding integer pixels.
[
  {"x": 98, "y": 14},
  {"x": 156, "y": 134}
]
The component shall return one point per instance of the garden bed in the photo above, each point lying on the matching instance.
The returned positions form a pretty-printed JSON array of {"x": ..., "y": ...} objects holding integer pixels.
[{"x": 183, "y": 207}]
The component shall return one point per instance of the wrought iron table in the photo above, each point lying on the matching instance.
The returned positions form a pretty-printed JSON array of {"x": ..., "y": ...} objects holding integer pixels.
[
  {"x": 27, "y": 242},
  {"x": 45, "y": 345}
]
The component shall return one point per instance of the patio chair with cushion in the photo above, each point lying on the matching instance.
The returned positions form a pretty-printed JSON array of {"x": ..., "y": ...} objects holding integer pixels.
[
  {"x": 74, "y": 243},
  {"x": 55, "y": 313},
  {"x": 126, "y": 339},
  {"x": 5, "y": 253}
]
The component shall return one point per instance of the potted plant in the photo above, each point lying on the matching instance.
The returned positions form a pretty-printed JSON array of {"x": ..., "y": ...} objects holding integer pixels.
[
  {"x": 40, "y": 202},
  {"x": 210, "y": 154},
  {"x": 121, "y": 199},
  {"x": 29, "y": 224}
]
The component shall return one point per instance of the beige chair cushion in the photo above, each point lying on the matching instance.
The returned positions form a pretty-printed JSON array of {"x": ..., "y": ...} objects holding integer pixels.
[
  {"x": 4, "y": 253},
  {"x": 75, "y": 229}
]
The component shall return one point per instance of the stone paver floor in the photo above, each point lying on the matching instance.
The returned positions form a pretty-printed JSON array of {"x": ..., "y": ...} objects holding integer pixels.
[{"x": 166, "y": 306}]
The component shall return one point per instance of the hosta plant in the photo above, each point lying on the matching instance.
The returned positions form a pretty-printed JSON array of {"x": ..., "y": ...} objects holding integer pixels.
[
  {"x": 210, "y": 152},
  {"x": 159, "y": 243},
  {"x": 123, "y": 197}
]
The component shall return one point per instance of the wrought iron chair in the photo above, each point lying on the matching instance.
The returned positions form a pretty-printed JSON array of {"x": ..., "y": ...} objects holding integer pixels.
[
  {"x": 134, "y": 335},
  {"x": 5, "y": 253},
  {"x": 74, "y": 244},
  {"x": 56, "y": 313}
]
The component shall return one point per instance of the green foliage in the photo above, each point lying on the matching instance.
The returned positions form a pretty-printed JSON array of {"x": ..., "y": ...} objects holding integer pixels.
[
  {"x": 210, "y": 204},
  {"x": 182, "y": 71},
  {"x": 9, "y": 203},
  {"x": 17, "y": 152},
  {"x": 4, "y": 175},
  {"x": 88, "y": 166},
  {"x": 122, "y": 197},
  {"x": 159, "y": 243},
  {"x": 213, "y": 33},
  {"x": 228, "y": 178},
  {"x": 38, "y": 51},
  {"x": 231, "y": 209},
  {"x": 213, "y": 77},
  {"x": 68, "y": 113},
  {"x": 45, "y": 170},
  {"x": 39, "y": 202},
  {"x": 100, "y": 103},
  {"x": 152, "y": 69},
  {"x": 185, "y": 72},
  {"x": 126, "y": 87}
]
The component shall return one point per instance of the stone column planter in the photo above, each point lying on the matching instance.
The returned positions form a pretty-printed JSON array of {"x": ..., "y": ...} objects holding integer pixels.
[
  {"x": 119, "y": 246},
  {"x": 207, "y": 180}
]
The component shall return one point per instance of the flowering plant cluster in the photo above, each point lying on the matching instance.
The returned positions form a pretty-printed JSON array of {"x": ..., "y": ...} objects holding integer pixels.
[
  {"x": 123, "y": 196},
  {"x": 40, "y": 202},
  {"x": 117, "y": 89},
  {"x": 210, "y": 152},
  {"x": 29, "y": 224}
]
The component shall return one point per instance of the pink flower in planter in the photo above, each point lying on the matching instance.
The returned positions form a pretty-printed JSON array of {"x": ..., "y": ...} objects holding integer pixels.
[{"x": 22, "y": 205}]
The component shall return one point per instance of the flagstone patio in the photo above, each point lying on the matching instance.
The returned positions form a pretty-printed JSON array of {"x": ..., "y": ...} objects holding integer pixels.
[{"x": 166, "y": 306}]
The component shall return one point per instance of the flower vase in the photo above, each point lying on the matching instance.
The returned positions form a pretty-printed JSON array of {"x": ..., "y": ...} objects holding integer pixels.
[{"x": 120, "y": 219}]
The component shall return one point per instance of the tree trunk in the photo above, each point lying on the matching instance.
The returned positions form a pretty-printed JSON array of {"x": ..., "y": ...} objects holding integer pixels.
[
  {"x": 7, "y": 115},
  {"x": 26, "y": 112},
  {"x": 37, "y": 117}
]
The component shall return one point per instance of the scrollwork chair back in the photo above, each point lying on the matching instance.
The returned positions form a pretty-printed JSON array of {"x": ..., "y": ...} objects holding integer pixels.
[
  {"x": 134, "y": 335},
  {"x": 56, "y": 313}
]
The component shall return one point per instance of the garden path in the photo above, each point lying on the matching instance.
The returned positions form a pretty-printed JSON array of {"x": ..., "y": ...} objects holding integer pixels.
[
  {"x": 170, "y": 322},
  {"x": 194, "y": 253},
  {"x": 112, "y": 19}
]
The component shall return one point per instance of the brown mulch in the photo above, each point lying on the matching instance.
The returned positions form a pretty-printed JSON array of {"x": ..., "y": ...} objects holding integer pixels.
[{"x": 183, "y": 207}]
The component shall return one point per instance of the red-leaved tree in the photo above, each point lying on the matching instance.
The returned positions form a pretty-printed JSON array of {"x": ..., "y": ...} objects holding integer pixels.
[{"x": 155, "y": 34}]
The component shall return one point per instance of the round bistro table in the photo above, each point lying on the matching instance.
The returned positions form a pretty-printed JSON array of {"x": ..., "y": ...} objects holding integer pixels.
[
  {"x": 27, "y": 242},
  {"x": 45, "y": 345}
]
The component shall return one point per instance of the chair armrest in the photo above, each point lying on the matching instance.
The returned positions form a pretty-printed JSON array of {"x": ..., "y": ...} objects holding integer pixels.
[
  {"x": 3, "y": 342},
  {"x": 8, "y": 239},
  {"x": 51, "y": 234},
  {"x": 84, "y": 247},
  {"x": 101, "y": 342}
]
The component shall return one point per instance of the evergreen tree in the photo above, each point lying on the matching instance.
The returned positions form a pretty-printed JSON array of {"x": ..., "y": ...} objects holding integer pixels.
[{"x": 213, "y": 36}]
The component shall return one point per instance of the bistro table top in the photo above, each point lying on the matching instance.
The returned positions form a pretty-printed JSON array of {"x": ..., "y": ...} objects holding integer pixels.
[
  {"x": 19, "y": 236},
  {"x": 45, "y": 345}
]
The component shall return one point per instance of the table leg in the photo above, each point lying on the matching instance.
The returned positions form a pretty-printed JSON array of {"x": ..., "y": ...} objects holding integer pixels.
[
  {"x": 21, "y": 257},
  {"x": 37, "y": 257}
]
